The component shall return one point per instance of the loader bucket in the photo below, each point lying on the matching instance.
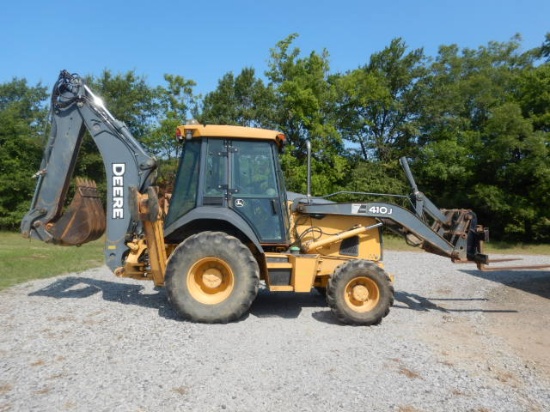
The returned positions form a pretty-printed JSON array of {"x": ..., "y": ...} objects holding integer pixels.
[{"x": 84, "y": 219}]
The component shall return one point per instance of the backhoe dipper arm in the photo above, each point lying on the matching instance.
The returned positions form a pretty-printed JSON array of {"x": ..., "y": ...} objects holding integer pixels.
[{"x": 76, "y": 109}]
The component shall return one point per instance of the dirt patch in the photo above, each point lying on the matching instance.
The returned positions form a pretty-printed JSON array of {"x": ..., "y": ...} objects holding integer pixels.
[
  {"x": 519, "y": 313},
  {"x": 503, "y": 318}
]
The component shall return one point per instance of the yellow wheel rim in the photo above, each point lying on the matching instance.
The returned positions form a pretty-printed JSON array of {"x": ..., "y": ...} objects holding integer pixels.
[
  {"x": 362, "y": 294},
  {"x": 210, "y": 280}
]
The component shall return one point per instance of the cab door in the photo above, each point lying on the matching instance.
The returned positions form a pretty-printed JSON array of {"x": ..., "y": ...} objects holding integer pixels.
[{"x": 255, "y": 189}]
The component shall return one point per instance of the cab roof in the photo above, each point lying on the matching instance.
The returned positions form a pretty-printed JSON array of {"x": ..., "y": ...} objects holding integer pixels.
[{"x": 195, "y": 130}]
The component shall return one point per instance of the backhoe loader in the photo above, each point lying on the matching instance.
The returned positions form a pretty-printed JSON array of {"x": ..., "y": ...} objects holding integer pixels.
[{"x": 230, "y": 224}]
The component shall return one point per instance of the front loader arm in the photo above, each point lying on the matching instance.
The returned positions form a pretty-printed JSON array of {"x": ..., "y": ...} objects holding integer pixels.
[
  {"x": 76, "y": 109},
  {"x": 451, "y": 233},
  {"x": 451, "y": 239}
]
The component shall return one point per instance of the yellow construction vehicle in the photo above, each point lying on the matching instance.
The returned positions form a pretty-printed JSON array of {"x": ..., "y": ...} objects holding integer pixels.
[{"x": 230, "y": 223}]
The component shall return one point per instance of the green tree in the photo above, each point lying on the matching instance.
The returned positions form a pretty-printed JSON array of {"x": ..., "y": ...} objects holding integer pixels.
[
  {"x": 242, "y": 100},
  {"x": 378, "y": 103},
  {"x": 129, "y": 98},
  {"x": 533, "y": 95},
  {"x": 176, "y": 104},
  {"x": 304, "y": 110},
  {"x": 479, "y": 146},
  {"x": 508, "y": 181},
  {"x": 458, "y": 97},
  {"x": 544, "y": 50},
  {"x": 23, "y": 118}
]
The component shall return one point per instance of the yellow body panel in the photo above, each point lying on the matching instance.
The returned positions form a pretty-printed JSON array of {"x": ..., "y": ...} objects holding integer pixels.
[
  {"x": 301, "y": 271},
  {"x": 312, "y": 229},
  {"x": 320, "y": 240},
  {"x": 304, "y": 271}
]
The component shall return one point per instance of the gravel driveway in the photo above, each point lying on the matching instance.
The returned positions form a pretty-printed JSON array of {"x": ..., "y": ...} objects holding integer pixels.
[{"x": 455, "y": 340}]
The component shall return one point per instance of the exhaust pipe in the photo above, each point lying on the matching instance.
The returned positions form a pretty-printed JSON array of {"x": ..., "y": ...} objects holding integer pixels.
[{"x": 308, "y": 194}]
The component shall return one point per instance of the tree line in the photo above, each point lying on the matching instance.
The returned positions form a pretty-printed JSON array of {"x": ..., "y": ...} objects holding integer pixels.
[{"x": 475, "y": 124}]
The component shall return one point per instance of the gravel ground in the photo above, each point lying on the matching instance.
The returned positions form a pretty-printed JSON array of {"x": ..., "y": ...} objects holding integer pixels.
[{"x": 454, "y": 341}]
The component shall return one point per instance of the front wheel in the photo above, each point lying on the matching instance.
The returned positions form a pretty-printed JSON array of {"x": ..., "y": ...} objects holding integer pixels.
[
  {"x": 212, "y": 277},
  {"x": 360, "y": 293}
]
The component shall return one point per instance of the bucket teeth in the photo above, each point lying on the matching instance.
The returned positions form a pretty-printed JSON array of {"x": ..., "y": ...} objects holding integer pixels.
[{"x": 87, "y": 188}]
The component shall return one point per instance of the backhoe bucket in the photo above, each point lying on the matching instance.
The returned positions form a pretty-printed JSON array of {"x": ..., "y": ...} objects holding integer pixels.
[{"x": 84, "y": 220}]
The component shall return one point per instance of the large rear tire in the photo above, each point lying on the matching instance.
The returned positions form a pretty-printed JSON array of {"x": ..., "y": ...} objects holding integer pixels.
[
  {"x": 360, "y": 293},
  {"x": 212, "y": 277}
]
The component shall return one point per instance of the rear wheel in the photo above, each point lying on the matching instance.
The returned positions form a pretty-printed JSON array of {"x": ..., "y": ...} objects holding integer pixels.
[
  {"x": 212, "y": 277},
  {"x": 360, "y": 293}
]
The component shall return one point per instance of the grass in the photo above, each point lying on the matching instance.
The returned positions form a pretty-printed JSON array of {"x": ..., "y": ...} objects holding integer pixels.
[{"x": 22, "y": 260}]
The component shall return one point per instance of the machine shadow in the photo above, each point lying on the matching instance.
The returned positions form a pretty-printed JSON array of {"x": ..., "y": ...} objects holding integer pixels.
[
  {"x": 78, "y": 287},
  {"x": 536, "y": 282},
  {"x": 286, "y": 305},
  {"x": 412, "y": 301}
]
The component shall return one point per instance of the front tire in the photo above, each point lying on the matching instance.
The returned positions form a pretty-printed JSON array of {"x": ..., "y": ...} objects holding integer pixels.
[
  {"x": 212, "y": 277},
  {"x": 360, "y": 293}
]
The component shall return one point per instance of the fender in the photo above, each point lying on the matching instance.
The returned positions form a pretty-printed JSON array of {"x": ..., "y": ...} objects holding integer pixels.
[{"x": 198, "y": 217}]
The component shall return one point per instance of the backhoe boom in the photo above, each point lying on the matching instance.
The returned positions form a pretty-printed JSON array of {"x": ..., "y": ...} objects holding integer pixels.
[{"x": 75, "y": 110}]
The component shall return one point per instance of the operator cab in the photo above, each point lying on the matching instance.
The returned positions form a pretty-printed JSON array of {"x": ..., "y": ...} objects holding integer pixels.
[{"x": 229, "y": 175}]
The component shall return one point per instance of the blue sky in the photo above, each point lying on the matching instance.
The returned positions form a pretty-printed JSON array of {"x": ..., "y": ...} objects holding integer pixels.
[{"x": 203, "y": 40}]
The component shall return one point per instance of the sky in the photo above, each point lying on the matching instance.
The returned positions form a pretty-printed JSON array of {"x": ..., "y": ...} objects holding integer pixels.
[{"x": 204, "y": 40}]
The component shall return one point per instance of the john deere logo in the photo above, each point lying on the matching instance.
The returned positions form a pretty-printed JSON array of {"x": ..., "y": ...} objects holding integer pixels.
[
  {"x": 239, "y": 202},
  {"x": 117, "y": 189}
]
